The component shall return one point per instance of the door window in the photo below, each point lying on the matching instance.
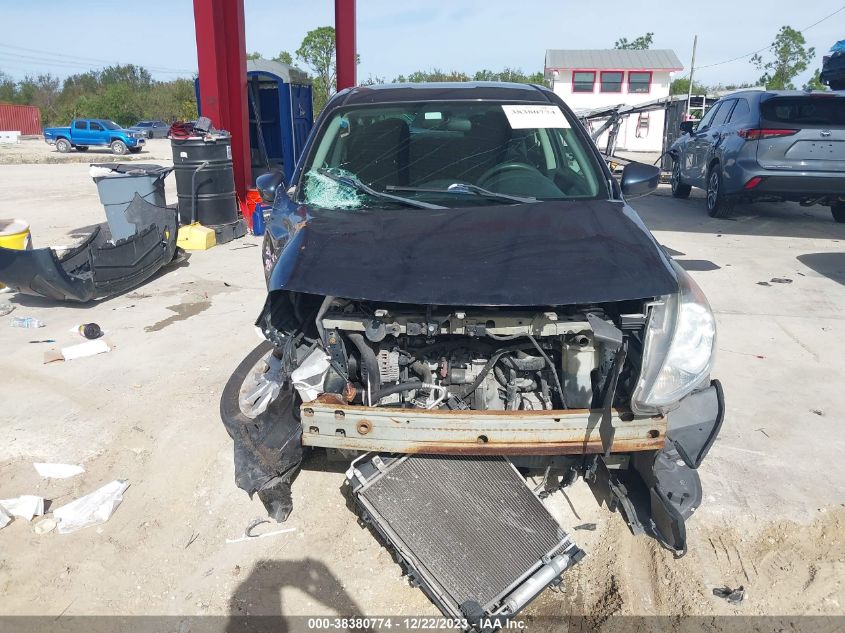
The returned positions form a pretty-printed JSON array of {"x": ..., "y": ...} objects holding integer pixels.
[
  {"x": 96, "y": 127},
  {"x": 741, "y": 111},
  {"x": 80, "y": 125},
  {"x": 722, "y": 115},
  {"x": 708, "y": 118}
]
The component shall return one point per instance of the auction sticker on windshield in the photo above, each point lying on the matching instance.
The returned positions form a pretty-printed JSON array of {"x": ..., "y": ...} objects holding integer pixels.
[{"x": 523, "y": 117}]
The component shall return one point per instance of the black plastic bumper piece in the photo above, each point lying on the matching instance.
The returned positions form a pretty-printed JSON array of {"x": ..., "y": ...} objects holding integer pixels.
[
  {"x": 268, "y": 447},
  {"x": 694, "y": 425},
  {"x": 661, "y": 489},
  {"x": 97, "y": 268}
]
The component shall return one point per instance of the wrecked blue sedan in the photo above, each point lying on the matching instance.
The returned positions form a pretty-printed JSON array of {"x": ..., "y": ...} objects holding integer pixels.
[{"x": 460, "y": 297}]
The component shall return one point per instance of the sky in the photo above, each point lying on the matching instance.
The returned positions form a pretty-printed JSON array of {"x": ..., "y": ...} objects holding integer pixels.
[{"x": 398, "y": 37}]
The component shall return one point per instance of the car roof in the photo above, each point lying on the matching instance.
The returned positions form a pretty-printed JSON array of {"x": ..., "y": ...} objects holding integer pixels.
[
  {"x": 769, "y": 94},
  {"x": 445, "y": 91}
]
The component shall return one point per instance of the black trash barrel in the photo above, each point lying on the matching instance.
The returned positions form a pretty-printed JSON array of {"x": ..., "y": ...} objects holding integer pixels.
[{"x": 216, "y": 200}]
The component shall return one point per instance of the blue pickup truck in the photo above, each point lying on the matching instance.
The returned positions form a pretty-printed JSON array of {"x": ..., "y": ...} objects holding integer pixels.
[{"x": 83, "y": 133}]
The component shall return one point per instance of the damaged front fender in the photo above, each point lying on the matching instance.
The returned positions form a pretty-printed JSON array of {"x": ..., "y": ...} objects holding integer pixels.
[{"x": 268, "y": 447}]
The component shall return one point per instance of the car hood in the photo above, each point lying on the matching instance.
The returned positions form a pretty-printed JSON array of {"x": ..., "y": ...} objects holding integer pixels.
[{"x": 544, "y": 253}]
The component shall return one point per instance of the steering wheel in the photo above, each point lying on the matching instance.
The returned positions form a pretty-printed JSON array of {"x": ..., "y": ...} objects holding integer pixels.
[{"x": 495, "y": 170}]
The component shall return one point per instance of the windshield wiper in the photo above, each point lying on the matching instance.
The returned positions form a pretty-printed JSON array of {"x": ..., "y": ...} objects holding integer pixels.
[
  {"x": 351, "y": 181},
  {"x": 466, "y": 188}
]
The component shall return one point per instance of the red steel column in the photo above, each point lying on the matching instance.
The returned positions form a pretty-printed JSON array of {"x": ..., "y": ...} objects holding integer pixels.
[
  {"x": 221, "y": 57},
  {"x": 344, "y": 25}
]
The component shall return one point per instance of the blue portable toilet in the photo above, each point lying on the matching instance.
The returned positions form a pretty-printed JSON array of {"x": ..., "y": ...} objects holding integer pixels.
[{"x": 280, "y": 115}]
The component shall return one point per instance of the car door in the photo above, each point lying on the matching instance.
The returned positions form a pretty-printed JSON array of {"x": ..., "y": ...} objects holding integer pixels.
[
  {"x": 79, "y": 132},
  {"x": 717, "y": 133},
  {"x": 97, "y": 136},
  {"x": 700, "y": 145}
]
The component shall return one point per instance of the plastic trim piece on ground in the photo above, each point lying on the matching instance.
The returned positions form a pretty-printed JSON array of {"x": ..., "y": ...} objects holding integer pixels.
[{"x": 97, "y": 268}]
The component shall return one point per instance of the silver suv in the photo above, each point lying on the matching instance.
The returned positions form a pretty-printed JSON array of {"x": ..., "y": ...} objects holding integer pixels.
[{"x": 765, "y": 145}]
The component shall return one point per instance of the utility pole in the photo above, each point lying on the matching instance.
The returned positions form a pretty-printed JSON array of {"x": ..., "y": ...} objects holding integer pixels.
[{"x": 691, "y": 70}]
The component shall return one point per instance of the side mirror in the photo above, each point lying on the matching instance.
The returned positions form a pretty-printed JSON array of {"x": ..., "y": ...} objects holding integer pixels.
[
  {"x": 687, "y": 127},
  {"x": 269, "y": 185},
  {"x": 639, "y": 178}
]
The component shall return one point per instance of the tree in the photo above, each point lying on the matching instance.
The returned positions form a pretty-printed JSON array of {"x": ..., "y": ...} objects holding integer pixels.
[
  {"x": 515, "y": 75},
  {"x": 317, "y": 51},
  {"x": 791, "y": 58},
  {"x": 815, "y": 82},
  {"x": 373, "y": 80},
  {"x": 253, "y": 56},
  {"x": 680, "y": 86},
  {"x": 41, "y": 91},
  {"x": 8, "y": 88},
  {"x": 640, "y": 43},
  {"x": 284, "y": 57}
]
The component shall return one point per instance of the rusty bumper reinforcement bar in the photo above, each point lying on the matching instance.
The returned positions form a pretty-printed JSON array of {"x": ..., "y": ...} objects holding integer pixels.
[{"x": 572, "y": 431}]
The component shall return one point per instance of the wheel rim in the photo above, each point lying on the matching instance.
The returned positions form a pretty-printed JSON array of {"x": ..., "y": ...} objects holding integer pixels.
[
  {"x": 676, "y": 176},
  {"x": 713, "y": 190},
  {"x": 118, "y": 148}
]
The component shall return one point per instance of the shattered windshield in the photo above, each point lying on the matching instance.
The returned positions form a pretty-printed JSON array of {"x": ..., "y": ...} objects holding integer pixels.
[{"x": 447, "y": 154}]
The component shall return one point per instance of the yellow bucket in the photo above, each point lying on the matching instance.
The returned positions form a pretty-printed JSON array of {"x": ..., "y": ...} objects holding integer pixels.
[{"x": 14, "y": 234}]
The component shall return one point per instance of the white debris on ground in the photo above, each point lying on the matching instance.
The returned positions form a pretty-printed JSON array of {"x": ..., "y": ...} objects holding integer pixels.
[
  {"x": 82, "y": 350},
  {"x": 5, "y": 518},
  {"x": 58, "y": 471},
  {"x": 92, "y": 509},
  {"x": 25, "y": 506}
]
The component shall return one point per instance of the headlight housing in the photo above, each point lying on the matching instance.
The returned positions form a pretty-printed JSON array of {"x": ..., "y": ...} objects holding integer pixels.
[{"x": 678, "y": 350}]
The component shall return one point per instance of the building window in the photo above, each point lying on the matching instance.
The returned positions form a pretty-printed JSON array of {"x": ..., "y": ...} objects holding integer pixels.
[
  {"x": 583, "y": 80},
  {"x": 611, "y": 81},
  {"x": 639, "y": 82}
]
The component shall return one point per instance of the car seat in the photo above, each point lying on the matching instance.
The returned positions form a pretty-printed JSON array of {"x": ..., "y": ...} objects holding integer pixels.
[{"x": 378, "y": 153}]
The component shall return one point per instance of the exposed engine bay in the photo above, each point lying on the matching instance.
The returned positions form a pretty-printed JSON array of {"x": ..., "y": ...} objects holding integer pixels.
[
  {"x": 480, "y": 359},
  {"x": 553, "y": 388}
]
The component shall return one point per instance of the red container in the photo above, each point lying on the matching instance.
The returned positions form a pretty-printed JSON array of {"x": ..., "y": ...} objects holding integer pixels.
[
  {"x": 20, "y": 118},
  {"x": 252, "y": 198}
]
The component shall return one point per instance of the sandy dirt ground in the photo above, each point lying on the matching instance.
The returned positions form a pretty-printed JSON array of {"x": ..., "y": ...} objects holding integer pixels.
[{"x": 773, "y": 513}]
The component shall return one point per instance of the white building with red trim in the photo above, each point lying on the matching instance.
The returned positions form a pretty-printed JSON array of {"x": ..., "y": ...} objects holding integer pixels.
[{"x": 591, "y": 79}]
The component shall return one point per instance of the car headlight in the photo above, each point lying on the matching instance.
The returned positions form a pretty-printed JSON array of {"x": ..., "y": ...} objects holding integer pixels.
[{"x": 679, "y": 347}]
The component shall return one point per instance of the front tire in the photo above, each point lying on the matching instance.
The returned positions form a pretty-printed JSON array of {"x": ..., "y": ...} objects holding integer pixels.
[
  {"x": 230, "y": 407},
  {"x": 838, "y": 211},
  {"x": 62, "y": 146},
  {"x": 719, "y": 205},
  {"x": 679, "y": 189},
  {"x": 118, "y": 147}
]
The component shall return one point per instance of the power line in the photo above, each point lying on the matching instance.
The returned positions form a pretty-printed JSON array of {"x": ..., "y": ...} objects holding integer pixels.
[
  {"x": 765, "y": 48},
  {"x": 60, "y": 59}
]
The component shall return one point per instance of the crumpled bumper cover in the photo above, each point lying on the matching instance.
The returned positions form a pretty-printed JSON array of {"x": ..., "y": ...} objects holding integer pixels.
[
  {"x": 662, "y": 489},
  {"x": 268, "y": 448},
  {"x": 97, "y": 268}
]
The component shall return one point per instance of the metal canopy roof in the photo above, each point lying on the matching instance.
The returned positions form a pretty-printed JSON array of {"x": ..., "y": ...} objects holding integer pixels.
[{"x": 613, "y": 59}]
